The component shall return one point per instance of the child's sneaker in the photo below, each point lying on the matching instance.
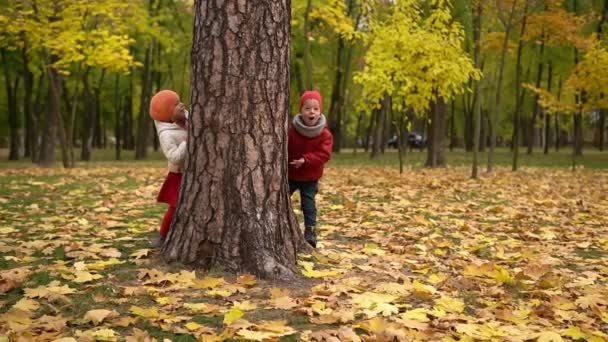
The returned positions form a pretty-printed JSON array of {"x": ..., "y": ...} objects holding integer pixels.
[{"x": 310, "y": 235}]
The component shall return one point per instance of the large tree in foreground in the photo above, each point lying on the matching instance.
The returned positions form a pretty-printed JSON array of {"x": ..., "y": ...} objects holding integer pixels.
[{"x": 234, "y": 210}]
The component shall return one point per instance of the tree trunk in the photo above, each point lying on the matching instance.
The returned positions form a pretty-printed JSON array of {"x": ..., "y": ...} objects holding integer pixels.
[
  {"x": 518, "y": 92},
  {"x": 483, "y": 131},
  {"x": 89, "y": 123},
  {"x": 547, "y": 115},
  {"x": 117, "y": 117},
  {"x": 436, "y": 139},
  {"x": 602, "y": 129},
  {"x": 234, "y": 210},
  {"x": 537, "y": 108},
  {"x": 337, "y": 98},
  {"x": 578, "y": 134},
  {"x": 453, "y": 138},
  {"x": 370, "y": 127},
  {"x": 478, "y": 112},
  {"x": 127, "y": 126},
  {"x": 13, "y": 114},
  {"x": 468, "y": 105},
  {"x": 498, "y": 104},
  {"x": 99, "y": 134},
  {"x": 358, "y": 132},
  {"x": 308, "y": 70},
  {"x": 31, "y": 124},
  {"x": 379, "y": 130},
  {"x": 141, "y": 145}
]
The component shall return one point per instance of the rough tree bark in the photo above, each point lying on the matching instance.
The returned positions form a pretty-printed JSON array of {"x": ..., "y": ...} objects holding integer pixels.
[
  {"x": 435, "y": 156},
  {"x": 234, "y": 210}
]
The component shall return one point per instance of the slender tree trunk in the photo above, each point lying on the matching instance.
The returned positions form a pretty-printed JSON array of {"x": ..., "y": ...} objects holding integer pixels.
[
  {"x": 143, "y": 132},
  {"x": 117, "y": 116},
  {"x": 602, "y": 119},
  {"x": 518, "y": 91},
  {"x": 602, "y": 129},
  {"x": 13, "y": 114},
  {"x": 234, "y": 209},
  {"x": 89, "y": 123},
  {"x": 436, "y": 138},
  {"x": 388, "y": 117},
  {"x": 31, "y": 124},
  {"x": 453, "y": 137},
  {"x": 358, "y": 132},
  {"x": 547, "y": 115},
  {"x": 468, "y": 114},
  {"x": 99, "y": 140},
  {"x": 379, "y": 130},
  {"x": 127, "y": 126},
  {"x": 308, "y": 69},
  {"x": 498, "y": 104},
  {"x": 535, "y": 111},
  {"x": 297, "y": 76},
  {"x": 55, "y": 111},
  {"x": 370, "y": 127},
  {"x": 483, "y": 132},
  {"x": 337, "y": 94},
  {"x": 478, "y": 112}
]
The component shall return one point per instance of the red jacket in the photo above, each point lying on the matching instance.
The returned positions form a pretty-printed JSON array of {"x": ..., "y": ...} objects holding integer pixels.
[{"x": 315, "y": 151}]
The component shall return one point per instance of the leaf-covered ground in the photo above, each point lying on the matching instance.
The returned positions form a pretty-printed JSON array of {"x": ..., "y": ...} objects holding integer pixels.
[{"x": 429, "y": 255}]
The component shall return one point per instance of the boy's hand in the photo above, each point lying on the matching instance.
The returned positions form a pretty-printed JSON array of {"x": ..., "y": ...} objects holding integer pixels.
[{"x": 297, "y": 163}]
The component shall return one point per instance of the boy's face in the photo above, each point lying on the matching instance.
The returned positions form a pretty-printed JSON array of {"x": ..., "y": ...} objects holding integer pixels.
[{"x": 311, "y": 112}]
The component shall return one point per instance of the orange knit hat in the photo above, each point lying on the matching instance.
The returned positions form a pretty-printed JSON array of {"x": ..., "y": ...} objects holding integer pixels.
[{"x": 162, "y": 105}]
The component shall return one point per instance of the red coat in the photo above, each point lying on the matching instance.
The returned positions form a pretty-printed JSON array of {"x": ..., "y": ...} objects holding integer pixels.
[{"x": 315, "y": 151}]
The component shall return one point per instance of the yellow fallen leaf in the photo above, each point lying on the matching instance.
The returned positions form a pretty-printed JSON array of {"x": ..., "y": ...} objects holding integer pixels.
[
  {"x": 232, "y": 315},
  {"x": 284, "y": 303},
  {"x": 549, "y": 336},
  {"x": 449, "y": 304},
  {"x": 374, "y": 325},
  {"x": 140, "y": 253},
  {"x": 193, "y": 326},
  {"x": 575, "y": 333},
  {"x": 419, "y": 314},
  {"x": 276, "y": 292},
  {"x": 97, "y": 316},
  {"x": 105, "y": 335},
  {"x": 202, "y": 308},
  {"x": 85, "y": 277},
  {"x": 208, "y": 283},
  {"x": 27, "y": 305},
  {"x": 245, "y": 305},
  {"x": 246, "y": 280},
  {"x": 151, "y": 312}
]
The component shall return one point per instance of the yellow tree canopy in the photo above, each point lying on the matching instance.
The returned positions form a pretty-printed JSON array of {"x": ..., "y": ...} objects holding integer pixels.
[
  {"x": 93, "y": 33},
  {"x": 585, "y": 88},
  {"x": 413, "y": 58}
]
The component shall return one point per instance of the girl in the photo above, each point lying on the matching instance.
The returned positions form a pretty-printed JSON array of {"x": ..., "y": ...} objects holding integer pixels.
[{"x": 170, "y": 118}]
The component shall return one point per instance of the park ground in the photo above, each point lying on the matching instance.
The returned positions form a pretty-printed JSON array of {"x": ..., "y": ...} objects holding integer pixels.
[{"x": 425, "y": 255}]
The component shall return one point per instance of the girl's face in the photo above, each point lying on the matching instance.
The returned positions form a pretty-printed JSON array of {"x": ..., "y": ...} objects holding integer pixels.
[
  {"x": 179, "y": 114},
  {"x": 311, "y": 112},
  {"x": 179, "y": 109}
]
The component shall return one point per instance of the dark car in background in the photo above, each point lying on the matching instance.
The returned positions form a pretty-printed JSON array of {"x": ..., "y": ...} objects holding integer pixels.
[{"x": 414, "y": 140}]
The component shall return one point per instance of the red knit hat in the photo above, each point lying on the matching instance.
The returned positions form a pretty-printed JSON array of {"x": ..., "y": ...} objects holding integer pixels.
[
  {"x": 311, "y": 94},
  {"x": 162, "y": 105}
]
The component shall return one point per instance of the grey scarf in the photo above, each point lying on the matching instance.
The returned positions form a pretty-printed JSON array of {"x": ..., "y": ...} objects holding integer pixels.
[{"x": 309, "y": 131}]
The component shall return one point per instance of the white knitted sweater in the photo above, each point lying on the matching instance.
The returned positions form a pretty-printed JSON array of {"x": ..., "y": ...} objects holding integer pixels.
[{"x": 172, "y": 140}]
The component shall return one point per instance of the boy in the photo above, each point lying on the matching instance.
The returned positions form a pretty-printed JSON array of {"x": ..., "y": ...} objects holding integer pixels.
[{"x": 309, "y": 148}]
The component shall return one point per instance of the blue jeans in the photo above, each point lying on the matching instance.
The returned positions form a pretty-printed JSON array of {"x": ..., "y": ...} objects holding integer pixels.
[{"x": 308, "y": 190}]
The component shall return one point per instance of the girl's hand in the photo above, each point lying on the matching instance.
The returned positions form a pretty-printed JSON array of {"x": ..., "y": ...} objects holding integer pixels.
[{"x": 297, "y": 163}]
